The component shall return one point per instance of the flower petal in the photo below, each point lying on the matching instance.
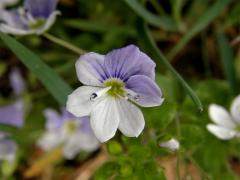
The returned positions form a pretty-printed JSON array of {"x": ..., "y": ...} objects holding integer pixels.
[
  {"x": 220, "y": 116},
  {"x": 131, "y": 119},
  {"x": 79, "y": 103},
  {"x": 50, "y": 140},
  {"x": 12, "y": 114},
  {"x": 221, "y": 132},
  {"x": 7, "y": 150},
  {"x": 12, "y": 23},
  {"x": 146, "y": 92},
  {"x": 17, "y": 82},
  {"x": 54, "y": 120},
  {"x": 40, "y": 8},
  {"x": 128, "y": 61},
  {"x": 235, "y": 109},
  {"x": 90, "y": 69},
  {"x": 172, "y": 144},
  {"x": 104, "y": 119},
  {"x": 80, "y": 142}
]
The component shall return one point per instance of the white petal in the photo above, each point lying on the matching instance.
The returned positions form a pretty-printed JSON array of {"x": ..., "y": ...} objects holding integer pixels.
[
  {"x": 12, "y": 30},
  {"x": 172, "y": 144},
  {"x": 221, "y": 132},
  {"x": 131, "y": 119},
  {"x": 49, "y": 22},
  {"x": 80, "y": 142},
  {"x": 79, "y": 103},
  {"x": 235, "y": 109},
  {"x": 220, "y": 116},
  {"x": 104, "y": 119}
]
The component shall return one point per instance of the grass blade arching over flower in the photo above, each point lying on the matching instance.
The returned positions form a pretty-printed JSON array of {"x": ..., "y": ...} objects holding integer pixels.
[{"x": 111, "y": 83}]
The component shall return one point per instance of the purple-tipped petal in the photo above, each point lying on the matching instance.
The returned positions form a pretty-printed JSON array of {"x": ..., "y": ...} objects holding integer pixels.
[
  {"x": 17, "y": 82},
  {"x": 128, "y": 61},
  {"x": 90, "y": 69},
  {"x": 54, "y": 119},
  {"x": 12, "y": 114},
  {"x": 40, "y": 8},
  {"x": 7, "y": 150},
  {"x": 144, "y": 91}
]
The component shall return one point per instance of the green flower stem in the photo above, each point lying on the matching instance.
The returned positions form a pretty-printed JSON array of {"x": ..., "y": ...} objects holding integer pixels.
[{"x": 64, "y": 43}]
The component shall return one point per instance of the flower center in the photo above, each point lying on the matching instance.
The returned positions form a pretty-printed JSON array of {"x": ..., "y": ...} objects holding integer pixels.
[
  {"x": 117, "y": 87},
  {"x": 37, "y": 23},
  {"x": 70, "y": 126}
]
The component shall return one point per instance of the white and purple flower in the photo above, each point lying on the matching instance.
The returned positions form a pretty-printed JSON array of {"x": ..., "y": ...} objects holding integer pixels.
[
  {"x": 113, "y": 83},
  {"x": 5, "y": 3},
  {"x": 227, "y": 125},
  {"x": 35, "y": 17},
  {"x": 73, "y": 133}
]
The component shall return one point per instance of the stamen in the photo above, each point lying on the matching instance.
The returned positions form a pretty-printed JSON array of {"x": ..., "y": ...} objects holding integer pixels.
[
  {"x": 132, "y": 95},
  {"x": 99, "y": 93}
]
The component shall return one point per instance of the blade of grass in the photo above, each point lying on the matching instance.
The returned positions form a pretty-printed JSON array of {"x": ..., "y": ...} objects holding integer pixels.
[
  {"x": 163, "y": 22},
  {"x": 226, "y": 54},
  {"x": 148, "y": 41},
  {"x": 49, "y": 78},
  {"x": 200, "y": 24}
]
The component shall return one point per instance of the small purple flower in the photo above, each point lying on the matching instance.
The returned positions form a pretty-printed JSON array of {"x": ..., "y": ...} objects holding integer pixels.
[
  {"x": 36, "y": 17},
  {"x": 73, "y": 133},
  {"x": 112, "y": 82},
  {"x": 12, "y": 114},
  {"x": 8, "y": 148}
]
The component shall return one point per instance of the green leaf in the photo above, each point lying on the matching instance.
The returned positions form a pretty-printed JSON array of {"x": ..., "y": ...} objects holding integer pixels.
[
  {"x": 163, "y": 22},
  {"x": 192, "y": 135},
  {"x": 200, "y": 24},
  {"x": 226, "y": 54},
  {"x": 148, "y": 42},
  {"x": 50, "y": 79}
]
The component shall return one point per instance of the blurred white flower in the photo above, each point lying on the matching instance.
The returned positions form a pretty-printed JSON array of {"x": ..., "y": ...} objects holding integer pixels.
[
  {"x": 171, "y": 144},
  {"x": 73, "y": 133},
  {"x": 226, "y": 125}
]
